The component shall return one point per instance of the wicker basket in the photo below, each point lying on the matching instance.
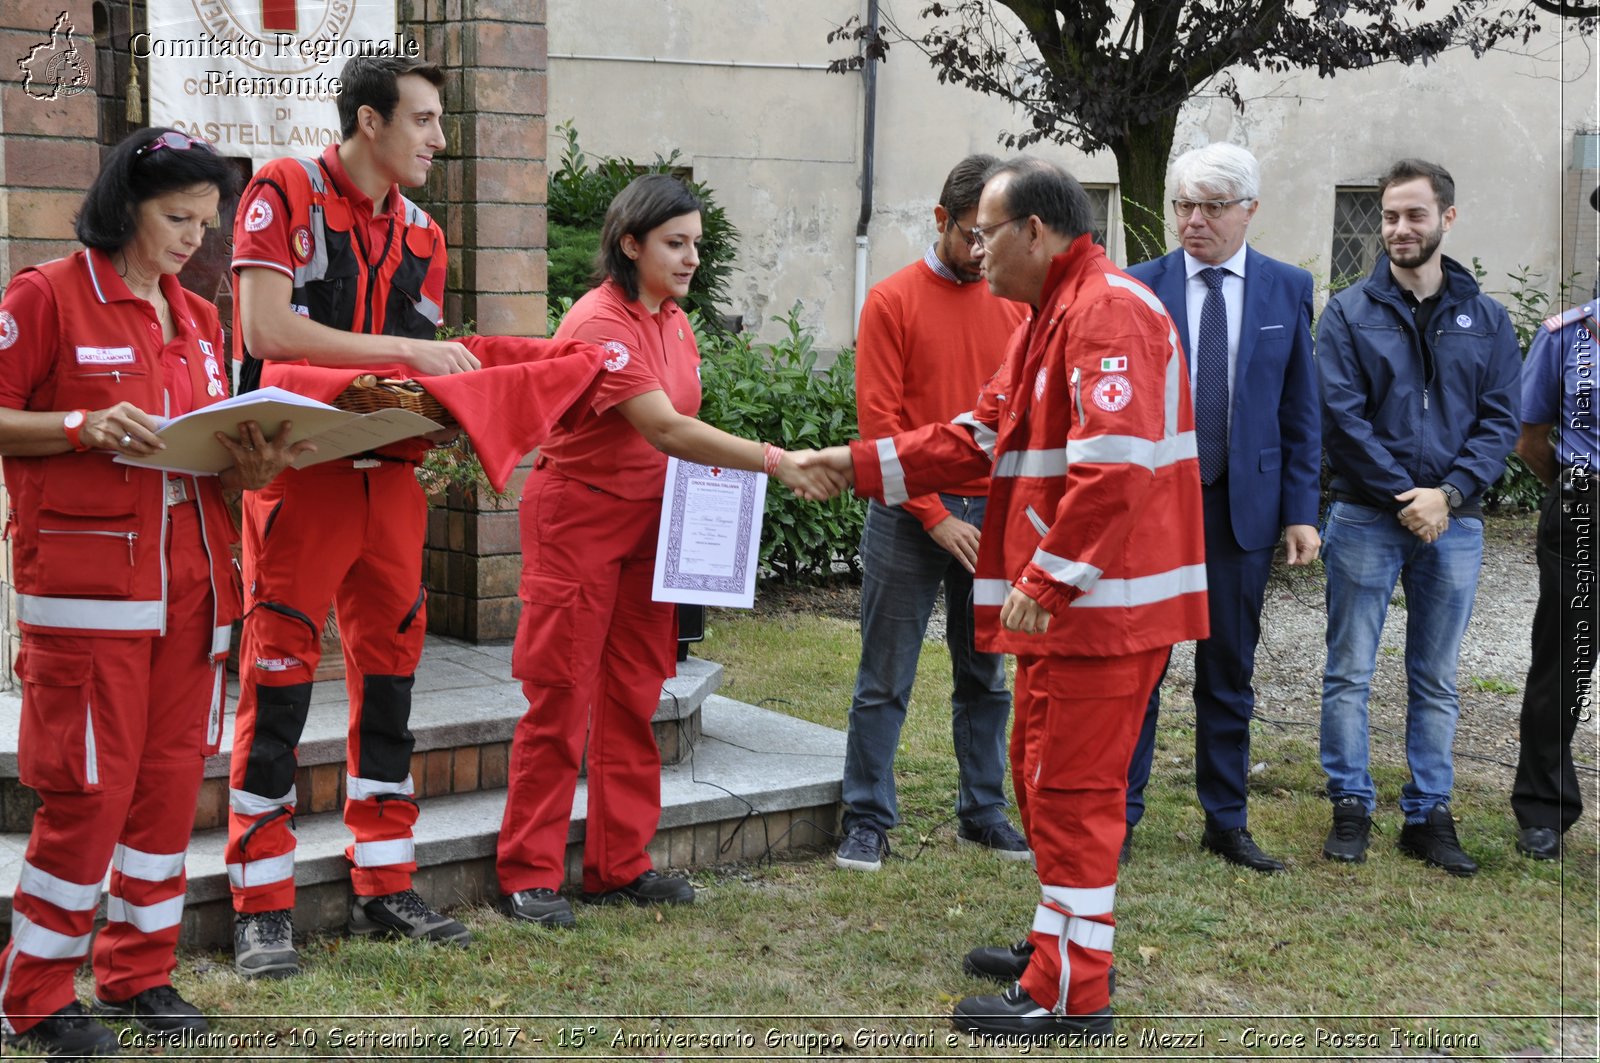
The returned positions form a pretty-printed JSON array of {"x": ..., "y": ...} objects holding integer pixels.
[{"x": 369, "y": 393}]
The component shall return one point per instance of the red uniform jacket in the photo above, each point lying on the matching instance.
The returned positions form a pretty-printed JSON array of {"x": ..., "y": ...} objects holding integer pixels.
[
  {"x": 1094, "y": 502},
  {"x": 87, "y": 533}
]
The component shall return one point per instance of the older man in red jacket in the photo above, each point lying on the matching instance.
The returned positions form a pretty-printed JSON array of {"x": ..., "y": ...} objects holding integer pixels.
[{"x": 1091, "y": 565}]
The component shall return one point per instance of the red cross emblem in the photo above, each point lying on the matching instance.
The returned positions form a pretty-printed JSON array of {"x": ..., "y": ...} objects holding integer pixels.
[
  {"x": 716, "y": 471},
  {"x": 1113, "y": 392}
]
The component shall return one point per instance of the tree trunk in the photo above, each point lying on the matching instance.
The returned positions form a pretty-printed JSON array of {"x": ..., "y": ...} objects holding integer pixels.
[{"x": 1142, "y": 155}]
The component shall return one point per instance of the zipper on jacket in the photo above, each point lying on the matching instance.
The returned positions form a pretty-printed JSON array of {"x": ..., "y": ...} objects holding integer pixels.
[
  {"x": 1077, "y": 395},
  {"x": 91, "y": 761},
  {"x": 132, "y": 537}
]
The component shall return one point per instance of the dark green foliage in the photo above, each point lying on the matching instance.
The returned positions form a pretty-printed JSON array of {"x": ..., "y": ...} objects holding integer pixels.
[
  {"x": 582, "y": 187},
  {"x": 775, "y": 394}
]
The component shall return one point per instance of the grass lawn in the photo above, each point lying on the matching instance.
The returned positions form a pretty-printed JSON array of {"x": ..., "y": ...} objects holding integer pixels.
[{"x": 797, "y": 958}]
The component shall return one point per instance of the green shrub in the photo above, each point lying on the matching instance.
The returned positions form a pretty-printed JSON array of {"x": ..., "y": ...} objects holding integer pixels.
[
  {"x": 775, "y": 394},
  {"x": 582, "y": 187}
]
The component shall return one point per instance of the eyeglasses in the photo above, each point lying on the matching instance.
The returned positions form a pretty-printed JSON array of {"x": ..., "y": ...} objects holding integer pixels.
[
  {"x": 980, "y": 233},
  {"x": 963, "y": 232},
  {"x": 1211, "y": 208},
  {"x": 176, "y": 141}
]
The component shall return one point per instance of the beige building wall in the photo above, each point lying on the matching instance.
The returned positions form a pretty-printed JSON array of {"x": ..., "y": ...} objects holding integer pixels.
[{"x": 740, "y": 90}]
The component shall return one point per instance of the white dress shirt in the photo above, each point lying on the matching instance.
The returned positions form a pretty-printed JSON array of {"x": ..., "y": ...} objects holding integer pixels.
[{"x": 1232, "y": 298}]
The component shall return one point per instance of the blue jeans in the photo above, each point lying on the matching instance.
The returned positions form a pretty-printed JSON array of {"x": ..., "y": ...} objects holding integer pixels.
[
  {"x": 902, "y": 571},
  {"x": 1364, "y": 551}
]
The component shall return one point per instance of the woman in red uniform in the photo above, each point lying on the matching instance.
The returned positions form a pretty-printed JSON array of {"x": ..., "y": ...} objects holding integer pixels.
[
  {"x": 592, "y": 648},
  {"x": 126, "y": 590}
]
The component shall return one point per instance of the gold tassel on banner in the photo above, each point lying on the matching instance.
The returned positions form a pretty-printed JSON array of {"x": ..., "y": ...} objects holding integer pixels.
[{"x": 134, "y": 92}]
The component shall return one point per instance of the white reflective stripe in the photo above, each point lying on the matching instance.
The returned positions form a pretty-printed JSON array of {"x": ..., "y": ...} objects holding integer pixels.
[
  {"x": 1097, "y": 901},
  {"x": 147, "y": 918},
  {"x": 221, "y": 640},
  {"x": 383, "y": 854},
  {"x": 982, "y": 434},
  {"x": 89, "y": 613},
  {"x": 894, "y": 477},
  {"x": 1138, "y": 289},
  {"x": 1048, "y": 921},
  {"x": 1079, "y": 574},
  {"x": 1037, "y": 521},
  {"x": 73, "y": 896},
  {"x": 1144, "y": 590},
  {"x": 1087, "y": 934},
  {"x": 430, "y": 310},
  {"x": 1132, "y": 450},
  {"x": 359, "y": 789},
  {"x": 91, "y": 756},
  {"x": 1044, "y": 463},
  {"x": 147, "y": 867},
  {"x": 214, "y": 717},
  {"x": 246, "y": 263},
  {"x": 990, "y": 591},
  {"x": 94, "y": 278},
  {"x": 248, "y": 804},
  {"x": 35, "y": 940},
  {"x": 262, "y": 872}
]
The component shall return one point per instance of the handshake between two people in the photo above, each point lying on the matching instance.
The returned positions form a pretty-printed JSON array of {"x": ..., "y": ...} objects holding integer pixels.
[{"x": 817, "y": 475}]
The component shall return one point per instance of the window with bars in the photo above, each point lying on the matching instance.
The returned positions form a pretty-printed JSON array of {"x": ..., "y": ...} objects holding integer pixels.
[
  {"x": 1100, "y": 200},
  {"x": 1357, "y": 235}
]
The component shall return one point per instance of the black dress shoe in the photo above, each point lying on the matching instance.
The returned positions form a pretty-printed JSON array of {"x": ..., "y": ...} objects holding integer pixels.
[
  {"x": 1540, "y": 843},
  {"x": 1237, "y": 847},
  {"x": 1013, "y": 1014},
  {"x": 1003, "y": 963}
]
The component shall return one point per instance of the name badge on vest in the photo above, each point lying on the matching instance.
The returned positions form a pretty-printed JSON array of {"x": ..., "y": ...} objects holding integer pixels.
[{"x": 105, "y": 355}]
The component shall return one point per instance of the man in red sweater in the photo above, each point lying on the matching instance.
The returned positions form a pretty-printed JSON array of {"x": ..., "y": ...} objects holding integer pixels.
[{"x": 931, "y": 336}]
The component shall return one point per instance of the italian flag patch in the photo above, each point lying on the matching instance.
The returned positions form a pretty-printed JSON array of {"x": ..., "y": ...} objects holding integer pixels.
[{"x": 1113, "y": 365}]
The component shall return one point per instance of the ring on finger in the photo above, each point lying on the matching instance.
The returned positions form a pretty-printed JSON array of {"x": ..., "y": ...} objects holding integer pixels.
[{"x": 125, "y": 440}]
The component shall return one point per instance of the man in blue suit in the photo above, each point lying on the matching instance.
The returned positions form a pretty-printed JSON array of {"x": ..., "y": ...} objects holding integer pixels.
[{"x": 1245, "y": 321}]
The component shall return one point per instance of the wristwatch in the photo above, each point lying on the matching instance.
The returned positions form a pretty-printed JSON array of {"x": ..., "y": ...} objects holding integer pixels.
[
  {"x": 1451, "y": 495},
  {"x": 72, "y": 425}
]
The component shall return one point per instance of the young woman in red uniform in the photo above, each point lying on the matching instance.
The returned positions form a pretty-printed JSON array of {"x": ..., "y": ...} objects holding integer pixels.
[
  {"x": 126, "y": 591},
  {"x": 592, "y": 648}
]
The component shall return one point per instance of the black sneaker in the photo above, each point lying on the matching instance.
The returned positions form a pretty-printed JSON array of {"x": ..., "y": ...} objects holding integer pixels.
[
  {"x": 263, "y": 944},
  {"x": 1003, "y": 963},
  {"x": 1014, "y": 1014},
  {"x": 1434, "y": 842},
  {"x": 863, "y": 848},
  {"x": 1001, "y": 839},
  {"x": 1351, "y": 833},
  {"x": 405, "y": 914},
  {"x": 70, "y": 1032},
  {"x": 543, "y": 906},
  {"x": 1126, "y": 853},
  {"x": 652, "y": 887},
  {"x": 158, "y": 1010}
]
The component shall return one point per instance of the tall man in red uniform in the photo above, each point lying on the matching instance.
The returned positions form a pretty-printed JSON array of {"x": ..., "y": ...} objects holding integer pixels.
[
  {"x": 1092, "y": 562},
  {"x": 336, "y": 267},
  {"x": 931, "y": 336}
]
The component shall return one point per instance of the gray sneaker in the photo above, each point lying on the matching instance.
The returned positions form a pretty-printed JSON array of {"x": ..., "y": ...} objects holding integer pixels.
[
  {"x": 406, "y": 915},
  {"x": 543, "y": 906},
  {"x": 263, "y": 944},
  {"x": 863, "y": 848}
]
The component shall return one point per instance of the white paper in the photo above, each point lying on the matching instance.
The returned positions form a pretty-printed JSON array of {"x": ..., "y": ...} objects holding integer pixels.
[
  {"x": 709, "y": 545},
  {"x": 192, "y": 446}
]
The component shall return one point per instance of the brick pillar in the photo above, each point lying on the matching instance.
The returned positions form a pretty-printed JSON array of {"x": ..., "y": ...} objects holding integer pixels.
[
  {"x": 490, "y": 197},
  {"x": 47, "y": 158}
]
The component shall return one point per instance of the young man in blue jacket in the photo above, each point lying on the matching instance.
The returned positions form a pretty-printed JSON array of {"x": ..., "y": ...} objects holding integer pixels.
[{"x": 1419, "y": 371}]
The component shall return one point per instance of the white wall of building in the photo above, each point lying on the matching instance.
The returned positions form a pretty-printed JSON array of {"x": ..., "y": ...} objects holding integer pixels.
[{"x": 780, "y": 140}]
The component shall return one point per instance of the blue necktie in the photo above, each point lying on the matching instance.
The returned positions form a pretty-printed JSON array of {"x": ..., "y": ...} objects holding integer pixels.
[{"x": 1211, "y": 379}]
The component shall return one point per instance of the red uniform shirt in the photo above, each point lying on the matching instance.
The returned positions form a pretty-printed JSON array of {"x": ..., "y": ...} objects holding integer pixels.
[{"x": 644, "y": 352}]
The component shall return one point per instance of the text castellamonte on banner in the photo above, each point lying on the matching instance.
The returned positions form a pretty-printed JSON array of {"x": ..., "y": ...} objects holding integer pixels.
[{"x": 259, "y": 78}]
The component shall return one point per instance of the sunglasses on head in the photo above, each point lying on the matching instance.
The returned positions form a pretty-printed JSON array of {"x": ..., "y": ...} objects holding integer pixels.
[{"x": 176, "y": 141}]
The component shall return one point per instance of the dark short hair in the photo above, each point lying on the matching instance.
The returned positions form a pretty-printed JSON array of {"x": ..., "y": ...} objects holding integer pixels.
[
  {"x": 373, "y": 81},
  {"x": 650, "y": 200},
  {"x": 965, "y": 183},
  {"x": 1043, "y": 189},
  {"x": 108, "y": 216},
  {"x": 1444, "y": 186}
]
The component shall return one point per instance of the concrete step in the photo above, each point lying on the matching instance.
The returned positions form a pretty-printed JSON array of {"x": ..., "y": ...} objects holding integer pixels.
[
  {"x": 464, "y": 708},
  {"x": 753, "y": 782}
]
